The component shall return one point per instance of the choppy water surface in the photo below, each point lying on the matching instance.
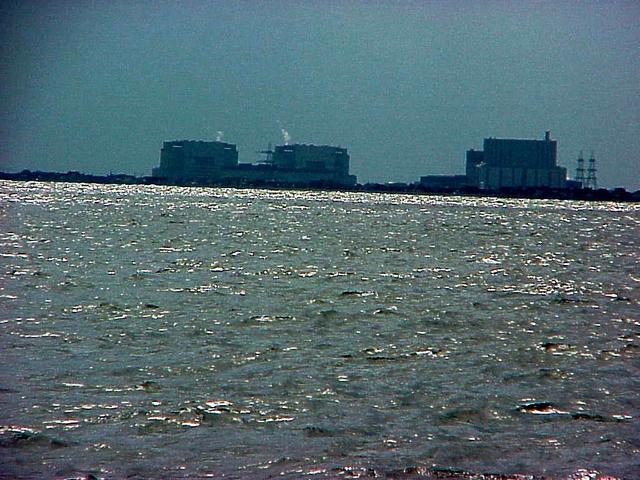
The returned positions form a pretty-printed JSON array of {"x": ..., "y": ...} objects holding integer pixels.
[{"x": 169, "y": 332}]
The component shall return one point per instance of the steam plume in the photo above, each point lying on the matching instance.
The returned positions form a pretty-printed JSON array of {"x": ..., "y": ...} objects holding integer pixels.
[
  {"x": 219, "y": 136},
  {"x": 285, "y": 136}
]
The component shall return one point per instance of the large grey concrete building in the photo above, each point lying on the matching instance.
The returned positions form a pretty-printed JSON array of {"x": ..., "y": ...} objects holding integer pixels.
[
  {"x": 312, "y": 158},
  {"x": 515, "y": 163},
  {"x": 202, "y": 162},
  {"x": 195, "y": 160}
]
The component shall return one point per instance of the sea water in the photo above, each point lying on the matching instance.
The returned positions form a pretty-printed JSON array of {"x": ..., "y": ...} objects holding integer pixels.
[{"x": 163, "y": 332}]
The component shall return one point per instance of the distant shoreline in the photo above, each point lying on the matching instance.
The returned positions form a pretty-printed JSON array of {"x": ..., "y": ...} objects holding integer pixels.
[{"x": 615, "y": 195}]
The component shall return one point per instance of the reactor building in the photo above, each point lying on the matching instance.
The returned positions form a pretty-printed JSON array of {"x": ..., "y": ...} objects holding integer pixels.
[
  {"x": 215, "y": 162},
  {"x": 506, "y": 163},
  {"x": 195, "y": 161},
  {"x": 515, "y": 163}
]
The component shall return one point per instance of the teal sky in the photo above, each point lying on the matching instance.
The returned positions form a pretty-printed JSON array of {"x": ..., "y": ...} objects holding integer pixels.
[{"x": 407, "y": 87}]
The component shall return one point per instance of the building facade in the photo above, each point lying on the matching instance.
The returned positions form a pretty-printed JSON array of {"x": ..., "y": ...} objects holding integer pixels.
[
  {"x": 195, "y": 160},
  {"x": 515, "y": 163},
  {"x": 312, "y": 158},
  {"x": 201, "y": 162},
  {"x": 475, "y": 159}
]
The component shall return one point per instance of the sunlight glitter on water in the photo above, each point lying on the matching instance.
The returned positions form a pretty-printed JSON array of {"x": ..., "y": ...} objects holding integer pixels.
[{"x": 252, "y": 333}]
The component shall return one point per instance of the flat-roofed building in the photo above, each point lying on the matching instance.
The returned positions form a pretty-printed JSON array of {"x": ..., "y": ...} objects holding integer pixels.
[
  {"x": 201, "y": 162},
  {"x": 475, "y": 160},
  {"x": 515, "y": 163},
  {"x": 312, "y": 158},
  {"x": 195, "y": 160}
]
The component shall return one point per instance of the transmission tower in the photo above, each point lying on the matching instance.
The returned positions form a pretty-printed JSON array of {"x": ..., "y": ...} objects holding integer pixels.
[
  {"x": 580, "y": 171},
  {"x": 591, "y": 181}
]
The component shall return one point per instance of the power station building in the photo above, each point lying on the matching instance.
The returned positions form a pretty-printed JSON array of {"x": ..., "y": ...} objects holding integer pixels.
[
  {"x": 195, "y": 161},
  {"x": 515, "y": 163},
  {"x": 202, "y": 162},
  {"x": 312, "y": 158}
]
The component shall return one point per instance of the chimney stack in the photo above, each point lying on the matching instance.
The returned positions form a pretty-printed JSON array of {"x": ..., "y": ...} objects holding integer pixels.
[{"x": 547, "y": 135}]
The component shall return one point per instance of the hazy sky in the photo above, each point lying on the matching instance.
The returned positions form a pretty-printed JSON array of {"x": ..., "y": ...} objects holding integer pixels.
[{"x": 407, "y": 87}]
